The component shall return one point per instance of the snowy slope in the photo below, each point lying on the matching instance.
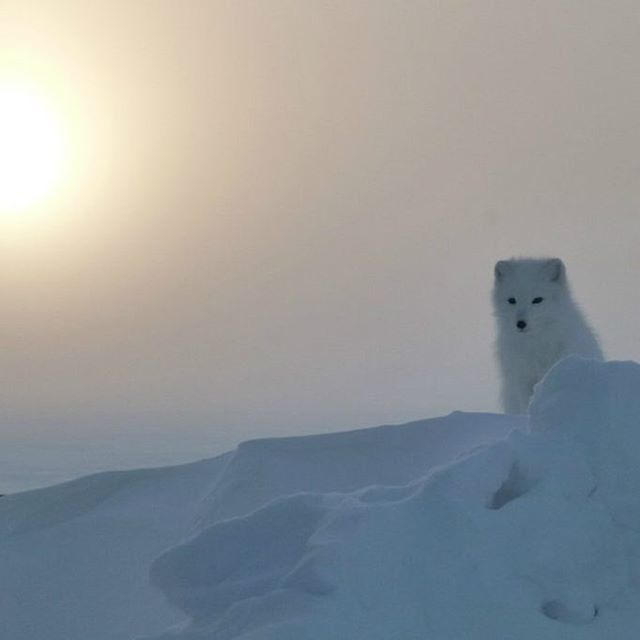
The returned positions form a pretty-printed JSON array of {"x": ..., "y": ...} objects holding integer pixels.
[
  {"x": 75, "y": 558},
  {"x": 470, "y": 526},
  {"x": 534, "y": 537}
]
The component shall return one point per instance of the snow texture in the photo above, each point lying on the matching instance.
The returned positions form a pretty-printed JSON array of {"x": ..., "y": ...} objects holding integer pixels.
[
  {"x": 470, "y": 526},
  {"x": 75, "y": 558}
]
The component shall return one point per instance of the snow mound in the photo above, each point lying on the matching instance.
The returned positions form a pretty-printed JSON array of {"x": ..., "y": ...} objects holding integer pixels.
[
  {"x": 536, "y": 536},
  {"x": 75, "y": 558},
  {"x": 262, "y": 470}
]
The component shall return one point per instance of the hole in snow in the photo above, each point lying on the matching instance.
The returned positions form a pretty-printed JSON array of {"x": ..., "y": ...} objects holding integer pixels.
[
  {"x": 557, "y": 610},
  {"x": 515, "y": 486}
]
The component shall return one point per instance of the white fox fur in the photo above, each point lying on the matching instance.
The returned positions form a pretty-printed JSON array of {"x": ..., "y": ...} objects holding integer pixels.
[{"x": 533, "y": 336}]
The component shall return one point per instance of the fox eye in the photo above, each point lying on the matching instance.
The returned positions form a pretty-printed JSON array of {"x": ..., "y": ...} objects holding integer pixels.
[
  {"x": 537, "y": 300},
  {"x": 511, "y": 300}
]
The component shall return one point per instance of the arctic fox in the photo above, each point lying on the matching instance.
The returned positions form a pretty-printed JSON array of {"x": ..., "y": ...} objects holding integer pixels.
[{"x": 538, "y": 324}]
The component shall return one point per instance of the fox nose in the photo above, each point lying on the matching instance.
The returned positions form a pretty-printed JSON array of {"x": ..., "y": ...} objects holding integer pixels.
[{"x": 521, "y": 324}]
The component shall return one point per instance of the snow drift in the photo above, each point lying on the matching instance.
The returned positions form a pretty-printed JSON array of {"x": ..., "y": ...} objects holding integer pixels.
[
  {"x": 75, "y": 558},
  {"x": 536, "y": 536},
  {"x": 470, "y": 526}
]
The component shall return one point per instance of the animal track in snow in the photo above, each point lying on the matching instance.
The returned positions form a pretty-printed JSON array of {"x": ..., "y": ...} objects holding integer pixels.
[{"x": 557, "y": 610}]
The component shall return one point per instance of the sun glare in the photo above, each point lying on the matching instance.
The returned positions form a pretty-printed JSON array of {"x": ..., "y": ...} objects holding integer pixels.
[{"x": 32, "y": 150}]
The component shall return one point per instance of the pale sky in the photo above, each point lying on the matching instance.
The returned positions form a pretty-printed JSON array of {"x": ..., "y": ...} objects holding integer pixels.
[{"x": 283, "y": 215}]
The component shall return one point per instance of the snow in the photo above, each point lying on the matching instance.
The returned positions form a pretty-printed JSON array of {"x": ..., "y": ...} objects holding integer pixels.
[{"x": 469, "y": 526}]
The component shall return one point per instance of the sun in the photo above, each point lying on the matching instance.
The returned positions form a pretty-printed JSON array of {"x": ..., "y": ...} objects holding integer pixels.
[{"x": 32, "y": 150}]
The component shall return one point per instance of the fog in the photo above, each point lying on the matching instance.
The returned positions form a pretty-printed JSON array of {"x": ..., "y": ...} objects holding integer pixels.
[{"x": 284, "y": 215}]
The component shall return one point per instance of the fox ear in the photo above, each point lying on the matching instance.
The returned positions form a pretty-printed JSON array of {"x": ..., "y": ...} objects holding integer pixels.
[
  {"x": 501, "y": 268},
  {"x": 554, "y": 268}
]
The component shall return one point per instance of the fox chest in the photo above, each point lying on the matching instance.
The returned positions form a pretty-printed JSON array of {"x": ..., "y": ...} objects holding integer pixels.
[{"x": 536, "y": 357}]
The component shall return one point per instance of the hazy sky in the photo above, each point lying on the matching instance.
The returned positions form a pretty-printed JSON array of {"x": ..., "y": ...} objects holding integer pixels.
[{"x": 283, "y": 215}]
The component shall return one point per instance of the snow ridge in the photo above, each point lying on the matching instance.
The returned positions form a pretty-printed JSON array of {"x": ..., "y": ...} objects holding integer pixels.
[{"x": 534, "y": 536}]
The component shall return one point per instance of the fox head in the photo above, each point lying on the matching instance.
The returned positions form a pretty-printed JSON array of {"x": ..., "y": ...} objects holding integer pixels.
[{"x": 527, "y": 293}]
